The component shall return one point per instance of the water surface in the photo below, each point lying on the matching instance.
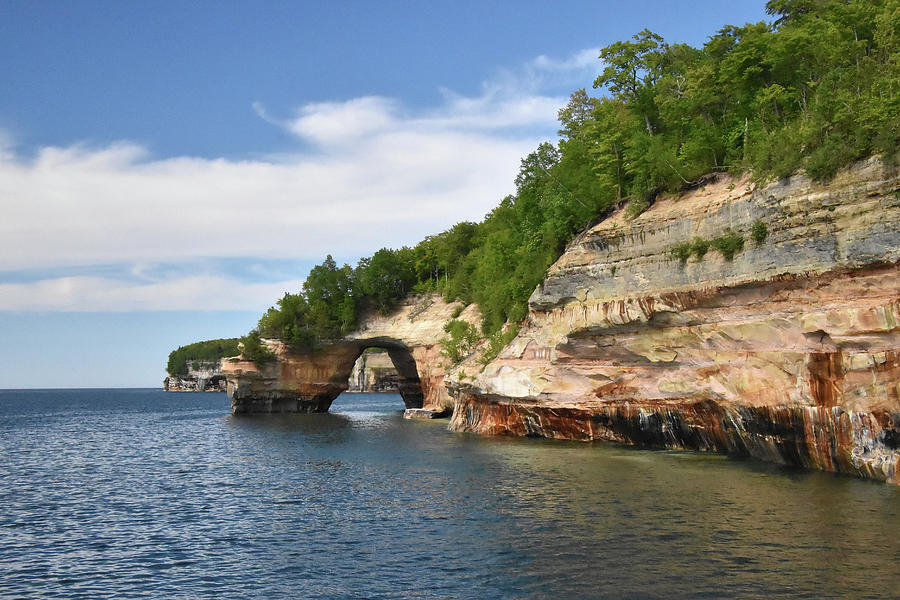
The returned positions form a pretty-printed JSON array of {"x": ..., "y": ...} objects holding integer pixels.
[{"x": 139, "y": 493}]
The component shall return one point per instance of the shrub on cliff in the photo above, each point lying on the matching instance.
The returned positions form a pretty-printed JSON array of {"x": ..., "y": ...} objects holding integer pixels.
[
  {"x": 728, "y": 244},
  {"x": 461, "y": 339},
  {"x": 699, "y": 247},
  {"x": 759, "y": 232},
  {"x": 252, "y": 348},
  {"x": 496, "y": 342},
  {"x": 681, "y": 252}
]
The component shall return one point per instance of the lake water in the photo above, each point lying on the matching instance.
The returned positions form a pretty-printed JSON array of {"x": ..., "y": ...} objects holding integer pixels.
[{"x": 139, "y": 493}]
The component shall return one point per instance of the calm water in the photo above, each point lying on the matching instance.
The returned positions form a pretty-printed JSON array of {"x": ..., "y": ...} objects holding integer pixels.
[{"x": 138, "y": 493}]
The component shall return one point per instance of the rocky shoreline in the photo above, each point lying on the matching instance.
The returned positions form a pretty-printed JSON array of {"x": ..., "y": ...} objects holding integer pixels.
[{"x": 753, "y": 321}]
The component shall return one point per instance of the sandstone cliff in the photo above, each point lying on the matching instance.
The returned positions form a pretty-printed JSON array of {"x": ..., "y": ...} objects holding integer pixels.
[
  {"x": 788, "y": 352},
  {"x": 202, "y": 376},
  {"x": 374, "y": 372},
  {"x": 309, "y": 382},
  {"x": 644, "y": 333}
]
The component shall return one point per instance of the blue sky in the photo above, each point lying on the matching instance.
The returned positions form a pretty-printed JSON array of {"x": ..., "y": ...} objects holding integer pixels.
[{"x": 169, "y": 169}]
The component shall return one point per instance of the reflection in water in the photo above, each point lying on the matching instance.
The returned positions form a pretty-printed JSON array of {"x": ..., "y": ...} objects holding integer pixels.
[
  {"x": 151, "y": 494},
  {"x": 312, "y": 425}
]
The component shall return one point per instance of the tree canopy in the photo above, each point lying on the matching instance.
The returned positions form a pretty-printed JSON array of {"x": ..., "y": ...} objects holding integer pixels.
[
  {"x": 815, "y": 89},
  {"x": 206, "y": 350}
]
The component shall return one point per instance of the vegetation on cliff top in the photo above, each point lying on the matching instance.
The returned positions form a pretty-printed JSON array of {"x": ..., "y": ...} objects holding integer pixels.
[
  {"x": 815, "y": 89},
  {"x": 207, "y": 350}
]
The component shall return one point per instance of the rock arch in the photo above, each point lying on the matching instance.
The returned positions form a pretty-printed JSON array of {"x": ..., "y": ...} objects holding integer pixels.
[
  {"x": 308, "y": 382},
  {"x": 410, "y": 385}
]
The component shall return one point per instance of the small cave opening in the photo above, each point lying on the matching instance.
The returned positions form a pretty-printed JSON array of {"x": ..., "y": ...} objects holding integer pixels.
[{"x": 215, "y": 383}]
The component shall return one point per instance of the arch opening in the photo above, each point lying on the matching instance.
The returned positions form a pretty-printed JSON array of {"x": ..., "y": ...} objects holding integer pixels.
[
  {"x": 309, "y": 382},
  {"x": 406, "y": 382},
  {"x": 374, "y": 372}
]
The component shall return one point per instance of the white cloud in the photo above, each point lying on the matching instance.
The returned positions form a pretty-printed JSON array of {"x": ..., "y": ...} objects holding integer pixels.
[
  {"x": 336, "y": 122},
  {"x": 584, "y": 60},
  {"x": 78, "y": 206},
  {"x": 201, "y": 292},
  {"x": 379, "y": 174}
]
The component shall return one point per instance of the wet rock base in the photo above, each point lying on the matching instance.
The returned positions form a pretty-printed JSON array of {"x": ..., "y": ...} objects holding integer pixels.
[
  {"x": 421, "y": 413},
  {"x": 864, "y": 444}
]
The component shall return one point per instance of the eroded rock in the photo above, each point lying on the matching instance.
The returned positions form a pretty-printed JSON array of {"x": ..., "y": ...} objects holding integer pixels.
[
  {"x": 202, "y": 376},
  {"x": 309, "y": 382},
  {"x": 790, "y": 352}
]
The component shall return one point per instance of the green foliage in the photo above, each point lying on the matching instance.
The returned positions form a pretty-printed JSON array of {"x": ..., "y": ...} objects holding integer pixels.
[
  {"x": 289, "y": 323},
  {"x": 332, "y": 298},
  {"x": 329, "y": 294},
  {"x": 461, "y": 339},
  {"x": 699, "y": 247},
  {"x": 728, "y": 244},
  {"x": 458, "y": 311},
  {"x": 816, "y": 89},
  {"x": 759, "y": 232},
  {"x": 681, "y": 252},
  {"x": 206, "y": 350},
  {"x": 635, "y": 207},
  {"x": 252, "y": 348},
  {"x": 385, "y": 277}
]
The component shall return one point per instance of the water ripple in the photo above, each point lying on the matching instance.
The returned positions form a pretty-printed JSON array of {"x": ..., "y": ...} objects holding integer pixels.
[{"x": 137, "y": 493}]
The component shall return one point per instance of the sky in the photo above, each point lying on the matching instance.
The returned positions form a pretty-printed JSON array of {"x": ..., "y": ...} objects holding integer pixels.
[{"x": 169, "y": 169}]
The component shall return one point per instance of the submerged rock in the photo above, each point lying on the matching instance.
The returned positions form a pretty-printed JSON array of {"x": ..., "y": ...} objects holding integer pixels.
[{"x": 421, "y": 413}]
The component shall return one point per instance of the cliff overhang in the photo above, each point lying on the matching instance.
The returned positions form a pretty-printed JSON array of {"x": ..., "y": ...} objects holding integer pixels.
[
  {"x": 789, "y": 351},
  {"x": 308, "y": 382},
  {"x": 786, "y": 348}
]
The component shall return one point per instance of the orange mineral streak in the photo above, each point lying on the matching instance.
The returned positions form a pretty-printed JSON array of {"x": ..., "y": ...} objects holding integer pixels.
[
  {"x": 790, "y": 352},
  {"x": 310, "y": 381}
]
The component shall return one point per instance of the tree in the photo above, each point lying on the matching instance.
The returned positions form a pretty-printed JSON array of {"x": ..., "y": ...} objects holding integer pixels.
[
  {"x": 816, "y": 89},
  {"x": 386, "y": 277},
  {"x": 633, "y": 68}
]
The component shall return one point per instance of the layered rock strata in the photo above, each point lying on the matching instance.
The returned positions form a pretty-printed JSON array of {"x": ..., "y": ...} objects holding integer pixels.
[
  {"x": 788, "y": 352},
  {"x": 202, "y": 376},
  {"x": 309, "y": 382}
]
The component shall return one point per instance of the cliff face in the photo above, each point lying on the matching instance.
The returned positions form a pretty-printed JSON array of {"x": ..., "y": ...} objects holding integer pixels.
[
  {"x": 374, "y": 372},
  {"x": 788, "y": 352},
  {"x": 309, "y": 382},
  {"x": 202, "y": 376},
  {"x": 644, "y": 333}
]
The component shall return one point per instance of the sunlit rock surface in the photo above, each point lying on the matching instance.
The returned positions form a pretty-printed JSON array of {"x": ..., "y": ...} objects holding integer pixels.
[
  {"x": 309, "y": 382},
  {"x": 790, "y": 352},
  {"x": 202, "y": 376},
  {"x": 374, "y": 372}
]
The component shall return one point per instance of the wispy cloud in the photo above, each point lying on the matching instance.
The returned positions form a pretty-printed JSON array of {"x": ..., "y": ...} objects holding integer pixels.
[
  {"x": 378, "y": 173},
  {"x": 201, "y": 292},
  {"x": 583, "y": 63}
]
